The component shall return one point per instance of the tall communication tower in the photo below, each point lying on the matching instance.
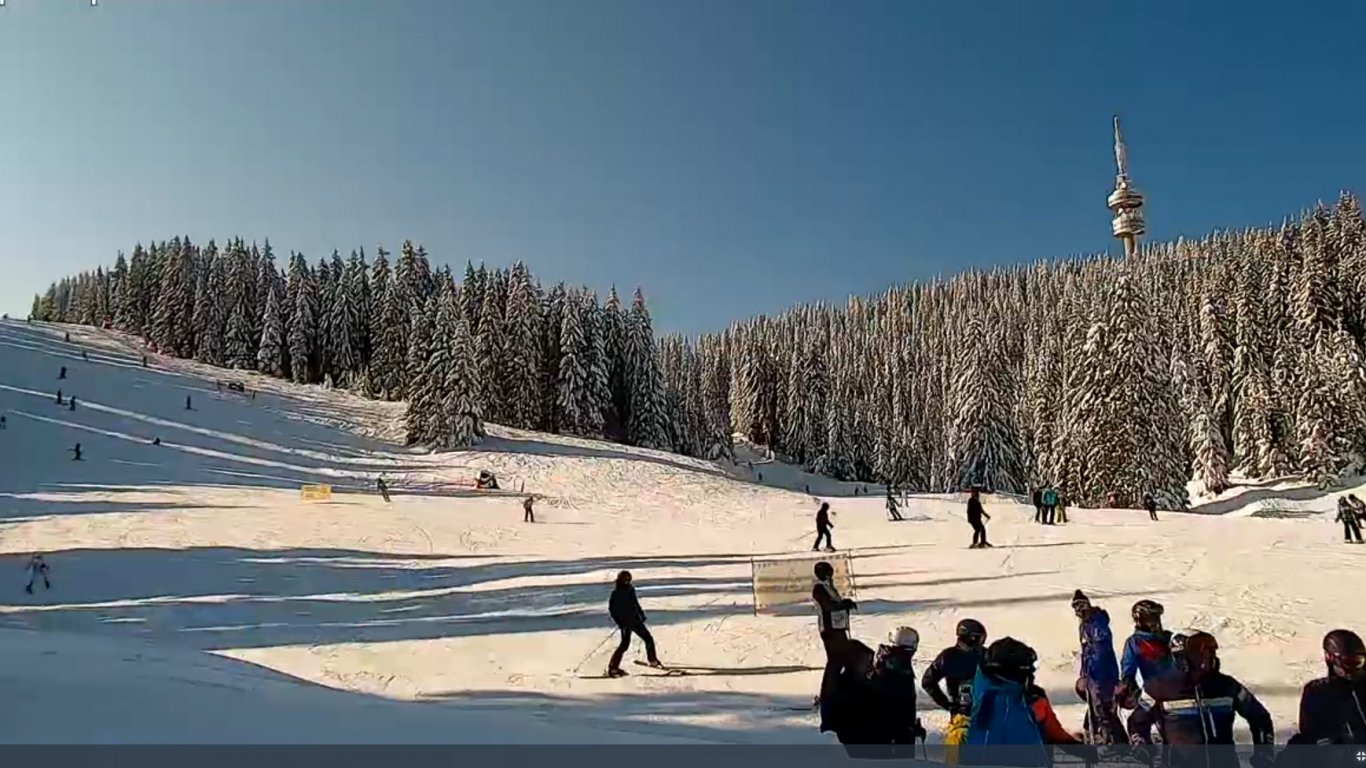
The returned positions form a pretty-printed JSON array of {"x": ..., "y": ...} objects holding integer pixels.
[{"x": 1126, "y": 202}]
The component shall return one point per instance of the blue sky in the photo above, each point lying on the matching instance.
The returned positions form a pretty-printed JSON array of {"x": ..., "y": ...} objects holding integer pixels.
[{"x": 733, "y": 157}]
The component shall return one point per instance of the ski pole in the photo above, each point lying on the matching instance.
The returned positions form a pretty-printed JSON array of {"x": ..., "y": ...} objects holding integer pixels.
[{"x": 596, "y": 648}]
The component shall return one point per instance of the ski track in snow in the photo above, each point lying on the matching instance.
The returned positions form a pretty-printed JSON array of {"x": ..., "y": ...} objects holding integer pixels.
[{"x": 200, "y": 549}]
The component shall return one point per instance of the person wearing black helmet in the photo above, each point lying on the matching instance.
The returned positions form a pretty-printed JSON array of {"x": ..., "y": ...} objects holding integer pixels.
[
  {"x": 956, "y": 666},
  {"x": 1333, "y": 708},
  {"x": 832, "y": 616},
  {"x": 1009, "y": 710},
  {"x": 976, "y": 514},
  {"x": 1196, "y": 706},
  {"x": 1147, "y": 652},
  {"x": 1348, "y": 517},
  {"x": 629, "y": 617}
]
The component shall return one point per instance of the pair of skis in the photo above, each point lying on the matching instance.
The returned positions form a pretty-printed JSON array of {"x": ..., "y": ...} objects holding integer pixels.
[{"x": 661, "y": 671}]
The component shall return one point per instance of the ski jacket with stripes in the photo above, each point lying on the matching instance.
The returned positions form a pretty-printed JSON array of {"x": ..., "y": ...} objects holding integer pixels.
[{"x": 1190, "y": 713}]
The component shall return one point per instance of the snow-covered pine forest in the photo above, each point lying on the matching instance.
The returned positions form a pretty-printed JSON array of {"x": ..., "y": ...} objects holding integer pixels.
[{"x": 1110, "y": 378}]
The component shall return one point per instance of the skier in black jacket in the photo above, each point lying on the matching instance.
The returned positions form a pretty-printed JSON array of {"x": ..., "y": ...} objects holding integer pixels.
[
  {"x": 1348, "y": 517},
  {"x": 874, "y": 700},
  {"x": 1333, "y": 708},
  {"x": 823, "y": 527},
  {"x": 1195, "y": 706},
  {"x": 625, "y": 610},
  {"x": 1150, "y": 504},
  {"x": 832, "y": 616},
  {"x": 956, "y": 666},
  {"x": 975, "y": 516}
]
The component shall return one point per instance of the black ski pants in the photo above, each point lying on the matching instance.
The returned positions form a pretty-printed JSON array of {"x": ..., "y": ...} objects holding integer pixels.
[
  {"x": 979, "y": 533},
  {"x": 1152, "y": 513},
  {"x": 1038, "y": 513},
  {"x": 1350, "y": 529},
  {"x": 626, "y": 632},
  {"x": 529, "y": 517},
  {"x": 836, "y": 642},
  {"x": 1050, "y": 513},
  {"x": 823, "y": 533}
]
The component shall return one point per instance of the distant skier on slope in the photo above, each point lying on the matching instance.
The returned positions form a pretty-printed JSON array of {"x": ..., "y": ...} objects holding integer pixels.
[
  {"x": 624, "y": 608},
  {"x": 383, "y": 489},
  {"x": 956, "y": 666},
  {"x": 1099, "y": 673},
  {"x": 60, "y": 400},
  {"x": 976, "y": 514},
  {"x": 1150, "y": 504},
  {"x": 528, "y": 513},
  {"x": 823, "y": 527},
  {"x": 832, "y": 620},
  {"x": 1050, "y": 505},
  {"x": 1196, "y": 705},
  {"x": 1333, "y": 708},
  {"x": 61, "y": 374},
  {"x": 1038, "y": 505},
  {"x": 188, "y": 406},
  {"x": 76, "y": 453},
  {"x": 1348, "y": 517},
  {"x": 37, "y": 568},
  {"x": 893, "y": 509},
  {"x": 71, "y": 406}
]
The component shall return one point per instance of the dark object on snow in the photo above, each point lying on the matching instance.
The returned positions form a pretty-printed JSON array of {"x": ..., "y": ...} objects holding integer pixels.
[
  {"x": 156, "y": 441},
  {"x": 529, "y": 514},
  {"x": 761, "y": 477},
  {"x": 72, "y": 405},
  {"x": 893, "y": 509},
  {"x": 60, "y": 401},
  {"x": 144, "y": 361},
  {"x": 624, "y": 608},
  {"x": 976, "y": 514},
  {"x": 1150, "y": 504},
  {"x": 61, "y": 374},
  {"x": 188, "y": 406},
  {"x": 236, "y": 386},
  {"x": 3, "y": 423},
  {"x": 487, "y": 481},
  {"x": 383, "y": 489},
  {"x": 37, "y": 567},
  {"x": 76, "y": 453},
  {"x": 85, "y": 355},
  {"x": 66, "y": 336}
]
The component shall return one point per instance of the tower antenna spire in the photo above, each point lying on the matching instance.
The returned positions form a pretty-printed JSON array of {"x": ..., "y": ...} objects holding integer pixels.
[{"x": 1125, "y": 202}]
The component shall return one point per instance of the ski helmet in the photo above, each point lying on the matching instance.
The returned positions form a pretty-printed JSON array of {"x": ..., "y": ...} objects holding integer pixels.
[
  {"x": 1010, "y": 659},
  {"x": 1196, "y": 653},
  {"x": 905, "y": 638},
  {"x": 1147, "y": 614},
  {"x": 823, "y": 570},
  {"x": 971, "y": 633},
  {"x": 1344, "y": 653}
]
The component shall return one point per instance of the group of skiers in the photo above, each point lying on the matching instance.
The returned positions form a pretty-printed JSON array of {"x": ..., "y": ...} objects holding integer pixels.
[
  {"x": 1050, "y": 507},
  {"x": 1171, "y": 683},
  {"x": 1351, "y": 513}
]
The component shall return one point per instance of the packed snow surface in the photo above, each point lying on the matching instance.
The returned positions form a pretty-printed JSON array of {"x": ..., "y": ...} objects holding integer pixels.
[{"x": 191, "y": 585}]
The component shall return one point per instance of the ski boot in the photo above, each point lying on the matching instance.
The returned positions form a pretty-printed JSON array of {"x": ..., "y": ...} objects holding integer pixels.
[{"x": 616, "y": 672}]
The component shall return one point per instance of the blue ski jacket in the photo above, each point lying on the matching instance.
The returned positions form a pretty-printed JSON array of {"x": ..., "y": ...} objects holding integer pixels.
[
  {"x": 1148, "y": 654},
  {"x": 1098, "y": 663}
]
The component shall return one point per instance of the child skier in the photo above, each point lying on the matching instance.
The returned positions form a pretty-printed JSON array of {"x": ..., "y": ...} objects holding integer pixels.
[
  {"x": 1009, "y": 710},
  {"x": 37, "y": 567},
  {"x": 957, "y": 667},
  {"x": 1098, "y": 675},
  {"x": 1196, "y": 705}
]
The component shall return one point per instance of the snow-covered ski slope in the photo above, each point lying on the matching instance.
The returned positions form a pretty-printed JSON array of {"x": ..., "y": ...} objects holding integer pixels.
[{"x": 174, "y": 564}]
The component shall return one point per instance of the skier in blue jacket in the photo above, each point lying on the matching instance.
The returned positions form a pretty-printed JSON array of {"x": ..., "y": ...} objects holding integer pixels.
[
  {"x": 1099, "y": 673},
  {"x": 1147, "y": 653}
]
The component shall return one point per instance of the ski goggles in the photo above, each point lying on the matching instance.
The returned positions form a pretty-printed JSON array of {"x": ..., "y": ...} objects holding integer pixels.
[{"x": 1348, "y": 662}]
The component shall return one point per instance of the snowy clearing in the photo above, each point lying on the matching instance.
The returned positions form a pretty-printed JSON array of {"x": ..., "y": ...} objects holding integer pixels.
[{"x": 160, "y": 553}]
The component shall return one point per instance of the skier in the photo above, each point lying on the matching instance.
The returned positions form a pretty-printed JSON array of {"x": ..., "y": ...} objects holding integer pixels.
[
  {"x": 1009, "y": 710},
  {"x": 1038, "y": 505},
  {"x": 383, "y": 489},
  {"x": 528, "y": 516},
  {"x": 1062, "y": 507},
  {"x": 76, "y": 453},
  {"x": 1333, "y": 708},
  {"x": 832, "y": 617},
  {"x": 144, "y": 361},
  {"x": 627, "y": 614},
  {"x": 1347, "y": 516},
  {"x": 1150, "y": 504},
  {"x": 37, "y": 567},
  {"x": 72, "y": 404},
  {"x": 61, "y": 374},
  {"x": 66, "y": 336},
  {"x": 893, "y": 509},
  {"x": 874, "y": 698},
  {"x": 1099, "y": 673},
  {"x": 156, "y": 441},
  {"x": 188, "y": 407},
  {"x": 1050, "y": 505},
  {"x": 60, "y": 401},
  {"x": 976, "y": 514},
  {"x": 956, "y": 666},
  {"x": 1358, "y": 506},
  {"x": 85, "y": 355},
  {"x": 3, "y": 424},
  {"x": 1147, "y": 653},
  {"x": 1195, "y": 706},
  {"x": 823, "y": 527}
]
